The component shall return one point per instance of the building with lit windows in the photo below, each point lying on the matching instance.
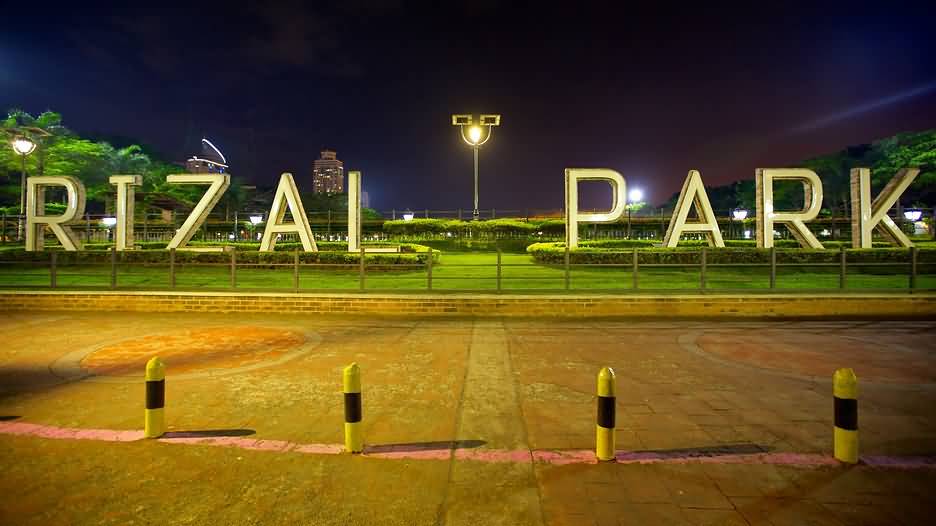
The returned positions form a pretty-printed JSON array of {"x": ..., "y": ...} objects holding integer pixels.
[
  {"x": 328, "y": 174},
  {"x": 211, "y": 160}
]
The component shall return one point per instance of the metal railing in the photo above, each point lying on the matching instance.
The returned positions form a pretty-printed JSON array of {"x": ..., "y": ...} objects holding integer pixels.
[{"x": 630, "y": 275}]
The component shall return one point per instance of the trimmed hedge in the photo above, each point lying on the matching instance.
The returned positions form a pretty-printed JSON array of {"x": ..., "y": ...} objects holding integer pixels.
[
  {"x": 600, "y": 252},
  {"x": 411, "y": 254},
  {"x": 415, "y": 227}
]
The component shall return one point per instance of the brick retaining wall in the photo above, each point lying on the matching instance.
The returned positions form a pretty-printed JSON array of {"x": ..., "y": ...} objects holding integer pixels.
[{"x": 743, "y": 306}]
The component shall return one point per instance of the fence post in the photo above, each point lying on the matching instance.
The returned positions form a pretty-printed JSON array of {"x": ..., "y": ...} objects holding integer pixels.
[
  {"x": 702, "y": 268},
  {"x": 172, "y": 268},
  {"x": 773, "y": 267},
  {"x": 361, "y": 268},
  {"x": 459, "y": 214},
  {"x": 233, "y": 269},
  {"x": 913, "y": 268},
  {"x": 429, "y": 270},
  {"x": 567, "y": 280},
  {"x": 427, "y": 213},
  {"x": 634, "y": 272},
  {"x": 493, "y": 213},
  {"x": 113, "y": 259},
  {"x": 843, "y": 268},
  {"x": 3, "y": 229},
  {"x": 296, "y": 270},
  {"x": 498, "y": 269},
  {"x": 53, "y": 269}
]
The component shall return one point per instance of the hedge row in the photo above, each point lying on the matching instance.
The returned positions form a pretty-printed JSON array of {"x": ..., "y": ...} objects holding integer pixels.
[
  {"x": 457, "y": 226},
  {"x": 416, "y": 254},
  {"x": 324, "y": 246},
  {"x": 587, "y": 252}
]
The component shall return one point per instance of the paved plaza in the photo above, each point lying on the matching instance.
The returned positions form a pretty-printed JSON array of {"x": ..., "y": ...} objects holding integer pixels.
[{"x": 466, "y": 421}]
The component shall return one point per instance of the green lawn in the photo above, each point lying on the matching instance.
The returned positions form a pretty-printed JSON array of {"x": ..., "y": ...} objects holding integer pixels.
[{"x": 459, "y": 271}]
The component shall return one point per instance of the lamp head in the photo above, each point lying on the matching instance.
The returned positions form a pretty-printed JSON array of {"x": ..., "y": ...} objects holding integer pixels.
[
  {"x": 23, "y": 146},
  {"x": 635, "y": 195},
  {"x": 256, "y": 220},
  {"x": 739, "y": 214}
]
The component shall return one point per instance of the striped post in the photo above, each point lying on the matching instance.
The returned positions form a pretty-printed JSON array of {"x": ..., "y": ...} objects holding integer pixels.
[
  {"x": 354, "y": 439},
  {"x": 604, "y": 448},
  {"x": 845, "y": 392},
  {"x": 155, "y": 418}
]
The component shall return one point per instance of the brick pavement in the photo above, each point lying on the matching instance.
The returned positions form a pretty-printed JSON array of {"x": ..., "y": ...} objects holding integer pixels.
[{"x": 498, "y": 383}]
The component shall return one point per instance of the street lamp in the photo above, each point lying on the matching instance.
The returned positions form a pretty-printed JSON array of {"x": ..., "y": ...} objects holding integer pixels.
[
  {"x": 254, "y": 221},
  {"x": 23, "y": 146},
  {"x": 633, "y": 197},
  {"x": 913, "y": 215},
  {"x": 475, "y": 135},
  {"x": 739, "y": 214}
]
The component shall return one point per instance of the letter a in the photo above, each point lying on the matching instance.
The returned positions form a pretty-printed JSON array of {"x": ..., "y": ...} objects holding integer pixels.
[
  {"x": 287, "y": 197},
  {"x": 693, "y": 192},
  {"x": 866, "y": 215}
]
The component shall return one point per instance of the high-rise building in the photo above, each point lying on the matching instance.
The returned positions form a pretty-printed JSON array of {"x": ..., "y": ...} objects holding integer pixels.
[
  {"x": 211, "y": 161},
  {"x": 328, "y": 174}
]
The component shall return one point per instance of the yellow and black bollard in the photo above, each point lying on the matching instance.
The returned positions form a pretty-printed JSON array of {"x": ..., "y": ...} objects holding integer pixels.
[
  {"x": 845, "y": 391},
  {"x": 354, "y": 439},
  {"x": 155, "y": 421},
  {"x": 604, "y": 449}
]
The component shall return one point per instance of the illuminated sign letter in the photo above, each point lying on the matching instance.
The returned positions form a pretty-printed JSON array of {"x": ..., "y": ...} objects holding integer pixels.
[
  {"x": 867, "y": 215},
  {"x": 35, "y": 212},
  {"x": 795, "y": 221},
  {"x": 693, "y": 192},
  {"x": 354, "y": 211},
  {"x": 287, "y": 197},
  {"x": 219, "y": 183},
  {"x": 572, "y": 217},
  {"x": 125, "y": 199}
]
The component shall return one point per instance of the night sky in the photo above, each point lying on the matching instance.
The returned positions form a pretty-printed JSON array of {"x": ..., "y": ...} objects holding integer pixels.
[{"x": 651, "y": 94}]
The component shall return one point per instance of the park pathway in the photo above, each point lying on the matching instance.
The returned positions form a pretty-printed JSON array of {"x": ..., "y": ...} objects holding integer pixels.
[{"x": 489, "y": 410}]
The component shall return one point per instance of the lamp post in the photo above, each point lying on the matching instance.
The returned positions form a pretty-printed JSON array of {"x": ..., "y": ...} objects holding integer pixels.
[
  {"x": 739, "y": 215},
  {"x": 254, "y": 221},
  {"x": 475, "y": 135},
  {"x": 633, "y": 197},
  {"x": 23, "y": 146}
]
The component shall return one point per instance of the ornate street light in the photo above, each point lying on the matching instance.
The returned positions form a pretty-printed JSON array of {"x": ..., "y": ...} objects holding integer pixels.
[
  {"x": 23, "y": 146},
  {"x": 475, "y": 135}
]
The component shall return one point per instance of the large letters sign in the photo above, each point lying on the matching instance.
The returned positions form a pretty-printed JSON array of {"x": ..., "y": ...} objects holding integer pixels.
[
  {"x": 36, "y": 220},
  {"x": 287, "y": 197},
  {"x": 693, "y": 192},
  {"x": 866, "y": 215},
  {"x": 572, "y": 216},
  {"x": 767, "y": 217}
]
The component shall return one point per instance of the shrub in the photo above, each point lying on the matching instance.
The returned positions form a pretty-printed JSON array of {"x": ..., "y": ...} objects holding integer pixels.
[{"x": 599, "y": 252}]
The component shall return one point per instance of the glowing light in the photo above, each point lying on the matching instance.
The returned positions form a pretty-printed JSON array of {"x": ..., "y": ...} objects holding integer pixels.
[
  {"x": 866, "y": 107},
  {"x": 747, "y": 234},
  {"x": 109, "y": 221},
  {"x": 407, "y": 216},
  {"x": 474, "y": 134},
  {"x": 913, "y": 215},
  {"x": 739, "y": 214},
  {"x": 256, "y": 220},
  {"x": 635, "y": 195},
  {"x": 23, "y": 146}
]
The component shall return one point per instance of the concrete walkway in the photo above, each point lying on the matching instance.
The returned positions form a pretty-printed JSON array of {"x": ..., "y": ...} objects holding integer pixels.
[{"x": 484, "y": 421}]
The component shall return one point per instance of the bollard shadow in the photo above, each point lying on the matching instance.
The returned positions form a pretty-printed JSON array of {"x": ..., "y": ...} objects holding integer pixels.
[
  {"x": 4, "y": 418},
  {"x": 207, "y": 433},
  {"x": 693, "y": 452},
  {"x": 442, "y": 445}
]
